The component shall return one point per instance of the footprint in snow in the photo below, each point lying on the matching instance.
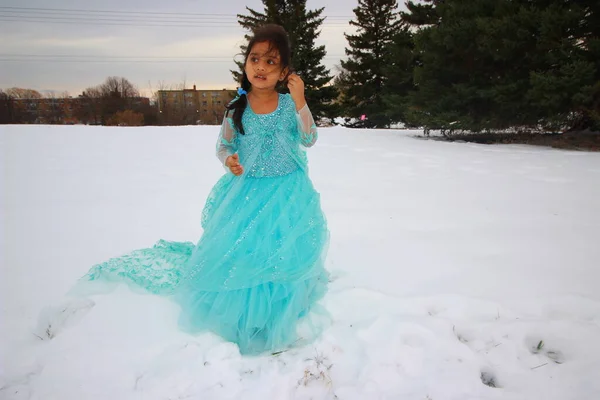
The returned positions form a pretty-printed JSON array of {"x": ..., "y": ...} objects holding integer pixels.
[{"x": 53, "y": 320}]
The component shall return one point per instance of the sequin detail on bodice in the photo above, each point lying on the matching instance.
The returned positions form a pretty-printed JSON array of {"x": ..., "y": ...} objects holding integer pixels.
[{"x": 270, "y": 137}]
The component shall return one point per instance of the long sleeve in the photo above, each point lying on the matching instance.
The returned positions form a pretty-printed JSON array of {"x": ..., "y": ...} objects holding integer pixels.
[
  {"x": 306, "y": 127},
  {"x": 226, "y": 145}
]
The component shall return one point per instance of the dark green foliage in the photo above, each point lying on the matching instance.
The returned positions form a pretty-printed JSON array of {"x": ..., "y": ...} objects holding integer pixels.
[
  {"x": 487, "y": 65},
  {"x": 366, "y": 69},
  {"x": 399, "y": 75}
]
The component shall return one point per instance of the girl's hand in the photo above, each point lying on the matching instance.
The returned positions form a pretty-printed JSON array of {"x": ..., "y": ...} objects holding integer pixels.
[
  {"x": 233, "y": 162},
  {"x": 296, "y": 86}
]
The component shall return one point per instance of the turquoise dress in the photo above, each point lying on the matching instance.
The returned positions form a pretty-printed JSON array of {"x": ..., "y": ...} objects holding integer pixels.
[{"x": 258, "y": 269}]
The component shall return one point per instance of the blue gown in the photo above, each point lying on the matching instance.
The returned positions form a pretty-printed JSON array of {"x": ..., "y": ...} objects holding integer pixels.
[{"x": 258, "y": 268}]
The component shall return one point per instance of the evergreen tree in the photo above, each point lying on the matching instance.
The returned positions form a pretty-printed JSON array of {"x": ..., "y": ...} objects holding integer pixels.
[
  {"x": 591, "y": 42},
  {"x": 368, "y": 56},
  {"x": 302, "y": 26},
  {"x": 562, "y": 84},
  {"x": 420, "y": 14},
  {"x": 496, "y": 64},
  {"x": 399, "y": 76},
  {"x": 452, "y": 71},
  {"x": 569, "y": 86}
]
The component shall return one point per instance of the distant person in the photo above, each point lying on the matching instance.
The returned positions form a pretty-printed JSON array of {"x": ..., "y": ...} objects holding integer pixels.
[{"x": 259, "y": 266}]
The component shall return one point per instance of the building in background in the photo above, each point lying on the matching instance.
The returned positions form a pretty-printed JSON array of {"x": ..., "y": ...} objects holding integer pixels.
[
  {"x": 71, "y": 110},
  {"x": 193, "y": 106}
]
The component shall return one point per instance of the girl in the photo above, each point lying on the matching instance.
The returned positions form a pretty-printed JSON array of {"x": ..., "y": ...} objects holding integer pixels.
[{"x": 259, "y": 266}]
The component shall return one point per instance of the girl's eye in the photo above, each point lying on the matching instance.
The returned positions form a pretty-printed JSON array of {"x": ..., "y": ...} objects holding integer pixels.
[
  {"x": 271, "y": 62},
  {"x": 254, "y": 59}
]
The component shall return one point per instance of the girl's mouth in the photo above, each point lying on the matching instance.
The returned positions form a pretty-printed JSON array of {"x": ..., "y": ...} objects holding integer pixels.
[{"x": 261, "y": 77}]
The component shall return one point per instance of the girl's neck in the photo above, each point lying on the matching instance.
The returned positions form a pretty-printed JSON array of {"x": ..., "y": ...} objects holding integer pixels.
[
  {"x": 263, "y": 94},
  {"x": 263, "y": 101}
]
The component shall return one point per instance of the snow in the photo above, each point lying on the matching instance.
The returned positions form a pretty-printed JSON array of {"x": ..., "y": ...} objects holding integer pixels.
[{"x": 452, "y": 265}]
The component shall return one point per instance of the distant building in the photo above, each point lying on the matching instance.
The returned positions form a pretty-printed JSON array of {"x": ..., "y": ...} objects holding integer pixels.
[
  {"x": 193, "y": 106},
  {"x": 66, "y": 110},
  {"x": 46, "y": 110}
]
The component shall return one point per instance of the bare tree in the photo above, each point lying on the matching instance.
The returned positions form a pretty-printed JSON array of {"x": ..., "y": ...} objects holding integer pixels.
[
  {"x": 99, "y": 103},
  {"x": 7, "y": 104},
  {"x": 183, "y": 83},
  {"x": 55, "y": 108},
  {"x": 20, "y": 93},
  {"x": 89, "y": 106},
  {"x": 118, "y": 87},
  {"x": 26, "y": 104}
]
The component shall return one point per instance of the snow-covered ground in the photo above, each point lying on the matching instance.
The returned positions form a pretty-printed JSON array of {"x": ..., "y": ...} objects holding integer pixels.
[{"x": 459, "y": 271}]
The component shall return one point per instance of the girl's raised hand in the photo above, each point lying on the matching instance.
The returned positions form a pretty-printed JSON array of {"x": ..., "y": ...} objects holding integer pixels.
[
  {"x": 296, "y": 86},
  {"x": 233, "y": 162}
]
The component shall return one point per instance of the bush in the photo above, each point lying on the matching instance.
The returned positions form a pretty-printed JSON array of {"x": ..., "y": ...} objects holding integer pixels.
[{"x": 126, "y": 118}]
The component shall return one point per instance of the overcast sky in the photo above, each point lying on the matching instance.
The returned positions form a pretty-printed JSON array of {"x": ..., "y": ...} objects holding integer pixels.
[{"x": 79, "y": 46}]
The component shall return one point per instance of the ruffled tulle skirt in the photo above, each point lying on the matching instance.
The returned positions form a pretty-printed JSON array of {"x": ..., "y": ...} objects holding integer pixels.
[{"x": 255, "y": 275}]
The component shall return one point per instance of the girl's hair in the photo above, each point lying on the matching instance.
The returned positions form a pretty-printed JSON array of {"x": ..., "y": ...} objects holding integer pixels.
[{"x": 278, "y": 40}]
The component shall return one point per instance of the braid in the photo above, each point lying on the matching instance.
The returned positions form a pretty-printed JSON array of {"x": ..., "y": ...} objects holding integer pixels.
[{"x": 239, "y": 106}]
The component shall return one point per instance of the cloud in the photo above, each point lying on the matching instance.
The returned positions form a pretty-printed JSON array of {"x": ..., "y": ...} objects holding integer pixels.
[
  {"x": 204, "y": 46},
  {"x": 73, "y": 43},
  {"x": 97, "y": 51}
]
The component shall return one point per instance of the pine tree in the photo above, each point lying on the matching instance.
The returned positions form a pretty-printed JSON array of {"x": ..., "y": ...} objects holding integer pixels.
[
  {"x": 489, "y": 65},
  {"x": 452, "y": 74},
  {"x": 420, "y": 14},
  {"x": 569, "y": 86},
  {"x": 562, "y": 82},
  {"x": 302, "y": 26},
  {"x": 399, "y": 76},
  {"x": 368, "y": 56},
  {"x": 590, "y": 32}
]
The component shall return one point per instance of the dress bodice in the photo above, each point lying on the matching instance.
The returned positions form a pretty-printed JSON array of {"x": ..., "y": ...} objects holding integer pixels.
[
  {"x": 272, "y": 144},
  {"x": 270, "y": 139}
]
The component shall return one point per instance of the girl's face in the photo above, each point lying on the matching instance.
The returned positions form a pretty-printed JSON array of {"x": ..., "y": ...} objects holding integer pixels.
[{"x": 263, "y": 67}]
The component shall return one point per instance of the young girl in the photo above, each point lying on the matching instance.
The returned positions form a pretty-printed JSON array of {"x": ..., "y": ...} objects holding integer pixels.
[{"x": 258, "y": 267}]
